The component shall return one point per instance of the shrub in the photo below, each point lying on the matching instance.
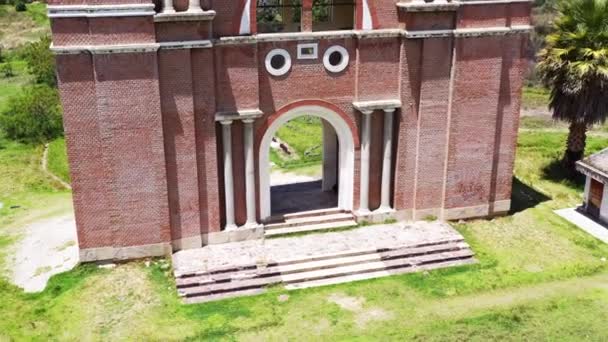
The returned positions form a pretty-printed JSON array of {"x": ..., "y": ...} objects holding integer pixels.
[
  {"x": 33, "y": 116},
  {"x": 20, "y": 6},
  {"x": 40, "y": 61},
  {"x": 7, "y": 70}
]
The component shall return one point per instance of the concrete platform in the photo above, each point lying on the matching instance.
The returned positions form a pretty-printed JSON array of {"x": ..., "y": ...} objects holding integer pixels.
[
  {"x": 234, "y": 269},
  {"x": 585, "y": 223}
]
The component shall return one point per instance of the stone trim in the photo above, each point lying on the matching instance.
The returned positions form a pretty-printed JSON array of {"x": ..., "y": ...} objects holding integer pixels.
[
  {"x": 188, "y": 44},
  {"x": 104, "y": 49},
  {"x": 184, "y": 16},
  {"x": 591, "y": 171},
  {"x": 100, "y": 11},
  {"x": 244, "y": 114},
  {"x": 366, "y": 106},
  {"x": 187, "y": 243},
  {"x": 124, "y": 253},
  {"x": 239, "y": 234},
  {"x": 439, "y": 6},
  {"x": 498, "y": 208}
]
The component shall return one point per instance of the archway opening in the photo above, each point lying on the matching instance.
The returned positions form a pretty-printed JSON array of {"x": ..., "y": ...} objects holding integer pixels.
[
  {"x": 306, "y": 163},
  {"x": 303, "y": 166}
]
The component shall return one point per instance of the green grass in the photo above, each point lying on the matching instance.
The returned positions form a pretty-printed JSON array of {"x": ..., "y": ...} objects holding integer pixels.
[
  {"x": 58, "y": 160},
  {"x": 19, "y": 28},
  {"x": 305, "y": 136},
  {"x": 539, "y": 278},
  {"x": 535, "y": 97},
  {"x": 13, "y": 86}
]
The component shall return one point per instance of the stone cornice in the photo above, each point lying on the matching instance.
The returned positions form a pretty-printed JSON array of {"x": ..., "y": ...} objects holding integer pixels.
[
  {"x": 245, "y": 114},
  {"x": 305, "y": 36},
  {"x": 449, "y": 5},
  {"x": 369, "y": 106},
  {"x": 100, "y": 11},
  {"x": 184, "y": 16},
  {"x": 590, "y": 171}
]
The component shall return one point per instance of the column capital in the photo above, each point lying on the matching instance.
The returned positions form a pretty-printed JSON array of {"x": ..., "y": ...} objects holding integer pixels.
[
  {"x": 389, "y": 110},
  {"x": 248, "y": 121},
  {"x": 226, "y": 122},
  {"x": 367, "y": 112}
]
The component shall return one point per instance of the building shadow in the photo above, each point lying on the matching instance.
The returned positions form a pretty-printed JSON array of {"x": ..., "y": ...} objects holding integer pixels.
[
  {"x": 524, "y": 197},
  {"x": 555, "y": 172},
  {"x": 298, "y": 197}
]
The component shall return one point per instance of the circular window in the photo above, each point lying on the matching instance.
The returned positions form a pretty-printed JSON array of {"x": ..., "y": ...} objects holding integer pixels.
[
  {"x": 336, "y": 59},
  {"x": 278, "y": 62}
]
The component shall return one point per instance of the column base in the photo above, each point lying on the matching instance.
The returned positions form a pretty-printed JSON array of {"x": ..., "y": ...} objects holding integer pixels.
[
  {"x": 380, "y": 215},
  {"x": 252, "y": 225},
  {"x": 231, "y": 227},
  {"x": 195, "y": 10}
]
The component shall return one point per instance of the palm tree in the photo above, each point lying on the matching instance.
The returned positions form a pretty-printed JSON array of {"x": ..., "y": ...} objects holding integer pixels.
[{"x": 574, "y": 65}]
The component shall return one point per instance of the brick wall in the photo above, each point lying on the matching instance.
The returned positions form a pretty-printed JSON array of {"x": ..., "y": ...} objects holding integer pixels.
[{"x": 145, "y": 149}]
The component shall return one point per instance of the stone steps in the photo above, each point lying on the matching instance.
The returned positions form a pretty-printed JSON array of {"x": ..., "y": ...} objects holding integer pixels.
[
  {"x": 309, "y": 221},
  {"x": 320, "y": 270}
]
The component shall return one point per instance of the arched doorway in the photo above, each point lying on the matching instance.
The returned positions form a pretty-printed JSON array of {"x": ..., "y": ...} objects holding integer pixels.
[{"x": 346, "y": 155}]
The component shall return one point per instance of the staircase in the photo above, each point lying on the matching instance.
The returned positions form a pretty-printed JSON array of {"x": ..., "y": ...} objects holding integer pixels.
[
  {"x": 322, "y": 269},
  {"x": 309, "y": 221}
]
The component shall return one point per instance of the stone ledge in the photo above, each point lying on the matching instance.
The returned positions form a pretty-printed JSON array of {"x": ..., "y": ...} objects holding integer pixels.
[
  {"x": 433, "y": 6},
  {"x": 104, "y": 49},
  {"x": 100, "y": 11},
  {"x": 184, "y": 16},
  {"x": 240, "y": 234},
  {"x": 124, "y": 253},
  {"x": 192, "y": 44},
  {"x": 239, "y": 115},
  {"x": 367, "y": 106}
]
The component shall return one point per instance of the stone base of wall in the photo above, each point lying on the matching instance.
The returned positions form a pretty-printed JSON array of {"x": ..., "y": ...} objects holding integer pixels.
[
  {"x": 487, "y": 210},
  {"x": 376, "y": 216},
  {"x": 124, "y": 253}
]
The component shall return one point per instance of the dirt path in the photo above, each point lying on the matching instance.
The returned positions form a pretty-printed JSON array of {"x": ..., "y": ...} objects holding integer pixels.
[{"x": 45, "y": 167}]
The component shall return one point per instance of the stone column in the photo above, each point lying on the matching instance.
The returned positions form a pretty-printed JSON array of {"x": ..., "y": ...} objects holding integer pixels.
[
  {"x": 365, "y": 140},
  {"x": 228, "y": 180},
  {"x": 194, "y": 6},
  {"x": 249, "y": 175},
  {"x": 385, "y": 204},
  {"x": 168, "y": 6}
]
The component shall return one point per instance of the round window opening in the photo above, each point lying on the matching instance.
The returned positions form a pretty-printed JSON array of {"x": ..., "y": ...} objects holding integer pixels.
[
  {"x": 278, "y": 62},
  {"x": 336, "y": 59}
]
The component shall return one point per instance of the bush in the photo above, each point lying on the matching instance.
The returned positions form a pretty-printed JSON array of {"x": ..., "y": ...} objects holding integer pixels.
[
  {"x": 40, "y": 61},
  {"x": 34, "y": 116},
  {"x": 20, "y": 6},
  {"x": 7, "y": 70}
]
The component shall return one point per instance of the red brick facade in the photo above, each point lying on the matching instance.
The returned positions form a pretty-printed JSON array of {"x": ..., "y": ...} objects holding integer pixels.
[{"x": 142, "y": 94}]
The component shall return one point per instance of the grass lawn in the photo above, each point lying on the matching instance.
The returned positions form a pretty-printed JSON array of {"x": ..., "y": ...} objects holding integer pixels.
[
  {"x": 58, "y": 160},
  {"x": 305, "y": 136},
  {"x": 539, "y": 277},
  {"x": 11, "y": 86},
  {"x": 18, "y": 28}
]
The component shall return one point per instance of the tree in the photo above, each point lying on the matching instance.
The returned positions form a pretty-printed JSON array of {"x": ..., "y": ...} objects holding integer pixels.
[
  {"x": 574, "y": 65},
  {"x": 34, "y": 116},
  {"x": 40, "y": 61}
]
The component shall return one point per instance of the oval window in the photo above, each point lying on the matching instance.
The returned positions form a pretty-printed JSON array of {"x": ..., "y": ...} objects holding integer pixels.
[
  {"x": 336, "y": 59},
  {"x": 278, "y": 62}
]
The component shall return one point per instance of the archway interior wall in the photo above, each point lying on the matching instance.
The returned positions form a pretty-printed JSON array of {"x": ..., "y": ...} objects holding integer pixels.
[{"x": 346, "y": 142}]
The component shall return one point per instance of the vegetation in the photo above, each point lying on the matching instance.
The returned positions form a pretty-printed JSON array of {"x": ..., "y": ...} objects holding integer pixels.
[
  {"x": 19, "y": 28},
  {"x": 33, "y": 116},
  {"x": 40, "y": 61},
  {"x": 575, "y": 67},
  {"x": 539, "y": 277},
  {"x": 58, "y": 160},
  {"x": 304, "y": 137}
]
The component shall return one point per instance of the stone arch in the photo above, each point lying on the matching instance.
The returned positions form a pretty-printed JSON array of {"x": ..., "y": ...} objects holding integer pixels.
[{"x": 347, "y": 141}]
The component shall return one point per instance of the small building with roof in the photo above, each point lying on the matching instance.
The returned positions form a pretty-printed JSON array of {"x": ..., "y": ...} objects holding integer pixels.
[{"x": 595, "y": 167}]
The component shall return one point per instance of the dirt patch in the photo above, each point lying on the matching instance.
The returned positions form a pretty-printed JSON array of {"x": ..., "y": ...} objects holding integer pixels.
[
  {"x": 47, "y": 247},
  {"x": 356, "y": 305}
]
